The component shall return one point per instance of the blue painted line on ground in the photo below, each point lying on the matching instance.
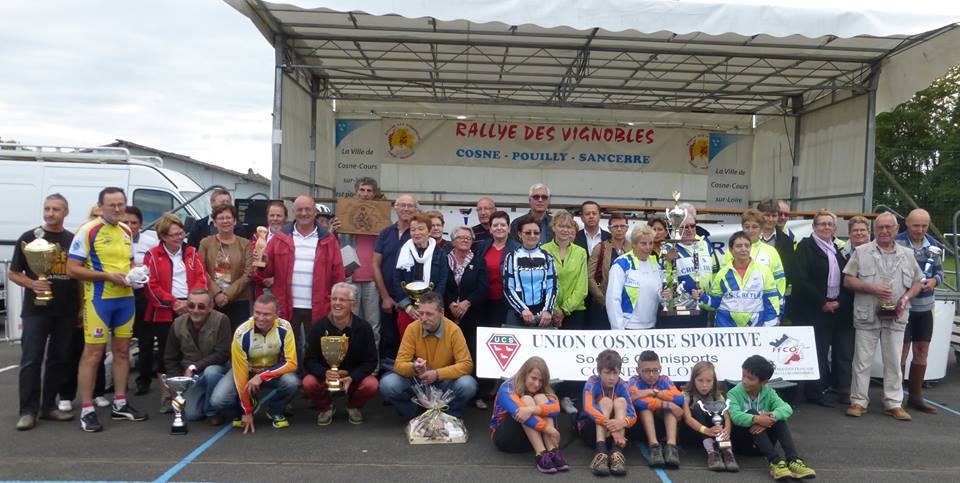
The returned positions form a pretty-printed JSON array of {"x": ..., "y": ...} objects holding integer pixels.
[
  {"x": 659, "y": 471},
  {"x": 941, "y": 406},
  {"x": 164, "y": 478}
]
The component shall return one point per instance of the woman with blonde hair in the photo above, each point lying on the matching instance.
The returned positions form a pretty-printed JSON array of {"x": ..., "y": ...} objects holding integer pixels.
[{"x": 531, "y": 405}]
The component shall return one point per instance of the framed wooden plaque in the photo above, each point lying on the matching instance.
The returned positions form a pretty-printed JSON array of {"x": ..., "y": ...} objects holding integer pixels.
[{"x": 363, "y": 217}]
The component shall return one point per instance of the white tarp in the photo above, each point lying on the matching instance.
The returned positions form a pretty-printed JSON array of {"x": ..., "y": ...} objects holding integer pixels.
[{"x": 779, "y": 18}]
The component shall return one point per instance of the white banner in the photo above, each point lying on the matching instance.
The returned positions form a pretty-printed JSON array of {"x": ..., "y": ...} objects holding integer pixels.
[
  {"x": 358, "y": 153},
  {"x": 728, "y": 181},
  {"x": 571, "y": 354}
]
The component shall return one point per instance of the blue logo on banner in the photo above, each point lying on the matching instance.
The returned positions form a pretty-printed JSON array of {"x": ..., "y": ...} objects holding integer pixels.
[{"x": 345, "y": 127}]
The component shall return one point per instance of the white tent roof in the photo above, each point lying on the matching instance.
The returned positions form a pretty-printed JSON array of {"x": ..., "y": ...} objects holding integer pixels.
[{"x": 669, "y": 56}]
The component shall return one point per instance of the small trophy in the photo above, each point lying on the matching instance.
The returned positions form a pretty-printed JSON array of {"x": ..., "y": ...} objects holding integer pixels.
[
  {"x": 334, "y": 349},
  {"x": 260, "y": 247},
  {"x": 887, "y": 309},
  {"x": 178, "y": 385},
  {"x": 416, "y": 290},
  {"x": 681, "y": 303},
  {"x": 934, "y": 256},
  {"x": 41, "y": 257},
  {"x": 716, "y": 410}
]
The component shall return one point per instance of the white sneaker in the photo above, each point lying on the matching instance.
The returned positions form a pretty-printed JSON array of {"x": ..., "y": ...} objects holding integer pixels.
[
  {"x": 65, "y": 406},
  {"x": 101, "y": 401},
  {"x": 567, "y": 405}
]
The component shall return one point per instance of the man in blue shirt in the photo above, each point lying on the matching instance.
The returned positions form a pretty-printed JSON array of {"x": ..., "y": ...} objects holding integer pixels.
[{"x": 385, "y": 253}]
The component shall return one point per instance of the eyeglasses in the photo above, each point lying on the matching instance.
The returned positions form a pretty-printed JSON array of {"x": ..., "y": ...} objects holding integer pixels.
[
  {"x": 405, "y": 205},
  {"x": 885, "y": 227},
  {"x": 531, "y": 233},
  {"x": 462, "y": 238},
  {"x": 540, "y": 197},
  {"x": 650, "y": 371},
  {"x": 340, "y": 299},
  {"x": 618, "y": 227},
  {"x": 176, "y": 234},
  {"x": 688, "y": 227},
  {"x": 784, "y": 214},
  {"x": 194, "y": 306},
  {"x": 824, "y": 223}
]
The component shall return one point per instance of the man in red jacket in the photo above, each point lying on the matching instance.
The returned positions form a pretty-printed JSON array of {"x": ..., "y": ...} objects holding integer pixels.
[{"x": 304, "y": 261}]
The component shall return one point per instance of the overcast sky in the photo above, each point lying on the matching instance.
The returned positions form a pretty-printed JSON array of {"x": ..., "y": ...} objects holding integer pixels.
[{"x": 190, "y": 76}]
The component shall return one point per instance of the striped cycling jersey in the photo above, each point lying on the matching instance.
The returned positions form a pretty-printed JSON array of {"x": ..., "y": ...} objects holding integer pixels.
[
  {"x": 529, "y": 279},
  {"x": 593, "y": 392},
  {"x": 663, "y": 383},
  {"x": 104, "y": 247},
  {"x": 699, "y": 275},
  {"x": 633, "y": 292},
  {"x": 752, "y": 300},
  {"x": 508, "y": 402},
  {"x": 269, "y": 355},
  {"x": 767, "y": 256}
]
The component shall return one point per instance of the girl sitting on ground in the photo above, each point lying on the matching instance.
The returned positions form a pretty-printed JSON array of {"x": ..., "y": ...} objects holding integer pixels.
[{"x": 703, "y": 387}]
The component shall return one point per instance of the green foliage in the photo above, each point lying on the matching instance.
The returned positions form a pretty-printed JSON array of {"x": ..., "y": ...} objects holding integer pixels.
[{"x": 919, "y": 143}]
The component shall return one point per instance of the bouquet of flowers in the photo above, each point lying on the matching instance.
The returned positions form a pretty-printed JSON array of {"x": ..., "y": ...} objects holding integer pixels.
[{"x": 434, "y": 426}]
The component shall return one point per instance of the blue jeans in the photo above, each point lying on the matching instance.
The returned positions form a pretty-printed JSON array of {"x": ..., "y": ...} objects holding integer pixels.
[
  {"x": 37, "y": 330},
  {"x": 199, "y": 397},
  {"x": 225, "y": 397},
  {"x": 399, "y": 391}
]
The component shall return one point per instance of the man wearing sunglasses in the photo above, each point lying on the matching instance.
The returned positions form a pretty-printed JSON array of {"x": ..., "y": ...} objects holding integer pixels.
[
  {"x": 539, "y": 200},
  {"x": 199, "y": 345}
]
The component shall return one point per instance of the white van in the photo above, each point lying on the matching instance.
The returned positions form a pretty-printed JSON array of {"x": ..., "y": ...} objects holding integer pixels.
[{"x": 29, "y": 173}]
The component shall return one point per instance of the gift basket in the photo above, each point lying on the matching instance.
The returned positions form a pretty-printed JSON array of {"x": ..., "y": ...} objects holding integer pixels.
[{"x": 434, "y": 426}]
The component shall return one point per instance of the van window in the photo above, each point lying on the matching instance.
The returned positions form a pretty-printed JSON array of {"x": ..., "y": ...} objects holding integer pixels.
[{"x": 154, "y": 203}]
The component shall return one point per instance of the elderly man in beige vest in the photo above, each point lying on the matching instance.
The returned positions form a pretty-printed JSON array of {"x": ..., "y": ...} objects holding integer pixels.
[{"x": 880, "y": 271}]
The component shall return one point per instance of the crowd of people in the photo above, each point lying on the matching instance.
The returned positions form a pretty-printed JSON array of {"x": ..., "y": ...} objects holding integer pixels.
[{"x": 241, "y": 322}]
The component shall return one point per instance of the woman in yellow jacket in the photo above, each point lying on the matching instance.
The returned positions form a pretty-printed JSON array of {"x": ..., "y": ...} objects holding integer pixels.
[{"x": 744, "y": 292}]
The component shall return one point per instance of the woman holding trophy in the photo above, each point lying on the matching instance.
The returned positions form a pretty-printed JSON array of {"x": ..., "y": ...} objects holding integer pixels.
[{"x": 421, "y": 268}]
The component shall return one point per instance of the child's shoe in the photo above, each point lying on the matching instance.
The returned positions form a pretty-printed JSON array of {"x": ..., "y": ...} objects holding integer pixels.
[
  {"x": 559, "y": 460},
  {"x": 779, "y": 470},
  {"x": 600, "y": 464},
  {"x": 671, "y": 456},
  {"x": 656, "y": 456},
  {"x": 714, "y": 462},
  {"x": 729, "y": 461},
  {"x": 800, "y": 470},
  {"x": 545, "y": 463},
  {"x": 618, "y": 464}
]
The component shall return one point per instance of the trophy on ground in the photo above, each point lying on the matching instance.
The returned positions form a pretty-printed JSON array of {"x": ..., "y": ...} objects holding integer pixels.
[
  {"x": 716, "y": 410},
  {"x": 680, "y": 303},
  {"x": 259, "y": 247},
  {"x": 416, "y": 290},
  {"x": 334, "y": 349},
  {"x": 41, "y": 257},
  {"x": 178, "y": 385}
]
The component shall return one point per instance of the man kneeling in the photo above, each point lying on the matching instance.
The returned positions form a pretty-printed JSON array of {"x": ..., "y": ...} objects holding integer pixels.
[
  {"x": 355, "y": 372},
  {"x": 199, "y": 344},
  {"x": 263, "y": 353},
  {"x": 432, "y": 352}
]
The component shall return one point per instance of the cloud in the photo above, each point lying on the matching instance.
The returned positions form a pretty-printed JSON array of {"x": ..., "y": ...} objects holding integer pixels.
[{"x": 192, "y": 77}]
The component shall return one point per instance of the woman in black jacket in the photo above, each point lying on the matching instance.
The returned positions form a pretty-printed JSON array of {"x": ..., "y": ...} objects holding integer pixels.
[
  {"x": 466, "y": 290},
  {"x": 820, "y": 300}
]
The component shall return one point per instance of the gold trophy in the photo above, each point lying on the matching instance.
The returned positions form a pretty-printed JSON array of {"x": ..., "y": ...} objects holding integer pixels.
[
  {"x": 334, "y": 349},
  {"x": 260, "y": 247},
  {"x": 41, "y": 256},
  {"x": 416, "y": 290}
]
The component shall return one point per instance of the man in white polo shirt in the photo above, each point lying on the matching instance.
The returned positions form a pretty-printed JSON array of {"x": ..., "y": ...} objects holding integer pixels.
[{"x": 304, "y": 260}]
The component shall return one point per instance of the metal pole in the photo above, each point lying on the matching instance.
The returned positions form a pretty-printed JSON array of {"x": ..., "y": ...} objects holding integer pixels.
[
  {"x": 314, "y": 94},
  {"x": 870, "y": 156},
  {"x": 797, "y": 102},
  {"x": 277, "y": 133}
]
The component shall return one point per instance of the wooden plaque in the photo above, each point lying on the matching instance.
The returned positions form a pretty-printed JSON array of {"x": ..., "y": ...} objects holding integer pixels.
[{"x": 363, "y": 217}]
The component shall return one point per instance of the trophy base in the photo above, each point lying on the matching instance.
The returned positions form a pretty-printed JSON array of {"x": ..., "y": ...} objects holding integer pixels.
[
  {"x": 178, "y": 430},
  {"x": 724, "y": 445},
  {"x": 681, "y": 312},
  {"x": 334, "y": 389},
  {"x": 887, "y": 314},
  {"x": 42, "y": 301}
]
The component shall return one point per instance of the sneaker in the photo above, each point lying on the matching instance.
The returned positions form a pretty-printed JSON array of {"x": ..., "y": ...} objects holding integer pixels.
[
  {"x": 26, "y": 422},
  {"x": 166, "y": 405},
  {"x": 715, "y": 462},
  {"x": 600, "y": 464},
  {"x": 566, "y": 404},
  {"x": 101, "y": 401},
  {"x": 800, "y": 470},
  {"x": 729, "y": 461},
  {"x": 128, "y": 412},
  {"x": 545, "y": 463},
  {"x": 618, "y": 464},
  {"x": 325, "y": 417},
  {"x": 55, "y": 415},
  {"x": 899, "y": 414},
  {"x": 237, "y": 422},
  {"x": 279, "y": 421},
  {"x": 559, "y": 460},
  {"x": 354, "y": 416},
  {"x": 671, "y": 456},
  {"x": 65, "y": 406},
  {"x": 141, "y": 389},
  {"x": 656, "y": 456},
  {"x": 779, "y": 470},
  {"x": 90, "y": 423},
  {"x": 216, "y": 420}
]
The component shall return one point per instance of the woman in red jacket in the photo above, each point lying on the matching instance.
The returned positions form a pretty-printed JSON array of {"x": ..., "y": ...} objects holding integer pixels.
[{"x": 175, "y": 271}]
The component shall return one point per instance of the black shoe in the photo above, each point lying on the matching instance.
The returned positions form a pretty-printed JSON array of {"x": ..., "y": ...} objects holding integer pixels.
[
  {"x": 91, "y": 423},
  {"x": 127, "y": 412},
  {"x": 656, "y": 456},
  {"x": 141, "y": 389},
  {"x": 216, "y": 420},
  {"x": 671, "y": 456},
  {"x": 823, "y": 400}
]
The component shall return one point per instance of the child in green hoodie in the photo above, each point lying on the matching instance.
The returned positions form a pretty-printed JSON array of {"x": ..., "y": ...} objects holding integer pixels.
[{"x": 759, "y": 414}]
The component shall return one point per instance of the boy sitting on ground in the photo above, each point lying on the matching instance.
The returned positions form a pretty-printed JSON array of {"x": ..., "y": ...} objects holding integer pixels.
[
  {"x": 759, "y": 414},
  {"x": 607, "y": 413},
  {"x": 656, "y": 395}
]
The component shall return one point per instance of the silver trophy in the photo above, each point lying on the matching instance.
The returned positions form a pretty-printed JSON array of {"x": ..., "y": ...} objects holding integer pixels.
[
  {"x": 934, "y": 256},
  {"x": 681, "y": 302},
  {"x": 178, "y": 385},
  {"x": 716, "y": 410}
]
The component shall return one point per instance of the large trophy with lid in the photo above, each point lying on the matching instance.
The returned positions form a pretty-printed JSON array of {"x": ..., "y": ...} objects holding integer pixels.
[
  {"x": 680, "y": 302},
  {"x": 41, "y": 257}
]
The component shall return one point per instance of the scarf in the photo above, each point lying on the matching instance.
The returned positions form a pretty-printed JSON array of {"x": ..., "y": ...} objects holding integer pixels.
[
  {"x": 408, "y": 257},
  {"x": 459, "y": 269},
  {"x": 833, "y": 276}
]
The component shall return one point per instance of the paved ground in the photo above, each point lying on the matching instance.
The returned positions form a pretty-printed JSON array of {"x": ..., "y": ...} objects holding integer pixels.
[{"x": 872, "y": 448}]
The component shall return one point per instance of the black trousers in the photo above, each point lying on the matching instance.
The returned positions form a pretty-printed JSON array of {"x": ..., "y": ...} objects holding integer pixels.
[
  {"x": 45, "y": 350},
  {"x": 237, "y": 311},
  {"x": 510, "y": 437},
  {"x": 152, "y": 333},
  {"x": 765, "y": 443},
  {"x": 835, "y": 337}
]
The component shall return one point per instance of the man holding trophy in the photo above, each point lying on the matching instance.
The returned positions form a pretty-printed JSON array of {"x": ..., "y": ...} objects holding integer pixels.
[
  {"x": 50, "y": 304},
  {"x": 341, "y": 356}
]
